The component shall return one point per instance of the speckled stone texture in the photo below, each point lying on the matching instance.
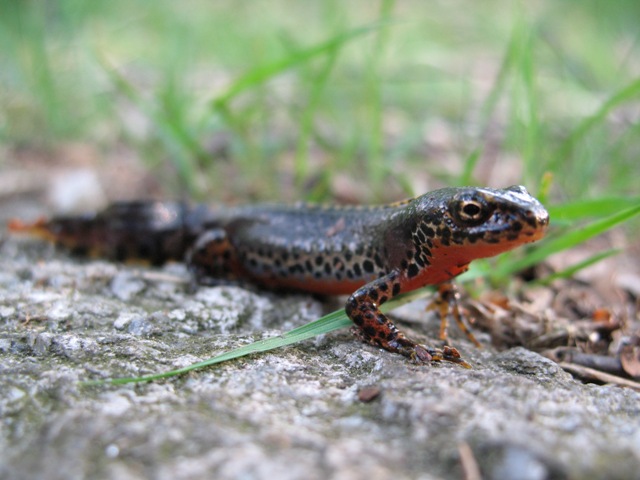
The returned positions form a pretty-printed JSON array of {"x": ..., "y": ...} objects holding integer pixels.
[{"x": 331, "y": 408}]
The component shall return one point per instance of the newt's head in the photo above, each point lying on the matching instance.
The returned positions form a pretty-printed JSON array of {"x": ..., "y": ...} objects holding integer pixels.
[{"x": 482, "y": 222}]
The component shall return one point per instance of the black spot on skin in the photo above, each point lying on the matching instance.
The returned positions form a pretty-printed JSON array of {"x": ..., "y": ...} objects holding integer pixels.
[
  {"x": 458, "y": 237},
  {"x": 413, "y": 270},
  {"x": 359, "y": 250},
  {"x": 349, "y": 273},
  {"x": 348, "y": 255},
  {"x": 374, "y": 295},
  {"x": 367, "y": 265},
  {"x": 327, "y": 268},
  {"x": 516, "y": 226},
  {"x": 296, "y": 268},
  {"x": 531, "y": 221},
  {"x": 378, "y": 260},
  {"x": 357, "y": 269},
  {"x": 369, "y": 331},
  {"x": 429, "y": 232},
  {"x": 384, "y": 287},
  {"x": 383, "y": 299},
  {"x": 473, "y": 237},
  {"x": 396, "y": 289},
  {"x": 308, "y": 265},
  {"x": 319, "y": 260}
]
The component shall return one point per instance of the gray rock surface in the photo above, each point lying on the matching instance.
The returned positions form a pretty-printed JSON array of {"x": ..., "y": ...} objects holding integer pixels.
[{"x": 329, "y": 408}]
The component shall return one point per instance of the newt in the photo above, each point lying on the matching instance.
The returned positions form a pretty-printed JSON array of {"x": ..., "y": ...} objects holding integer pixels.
[{"x": 371, "y": 253}]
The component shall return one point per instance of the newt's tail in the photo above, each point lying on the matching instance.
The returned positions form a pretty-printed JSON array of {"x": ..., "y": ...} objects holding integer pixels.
[{"x": 145, "y": 230}]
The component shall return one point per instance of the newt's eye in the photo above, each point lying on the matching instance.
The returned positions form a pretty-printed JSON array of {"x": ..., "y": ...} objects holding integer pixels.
[{"x": 470, "y": 210}]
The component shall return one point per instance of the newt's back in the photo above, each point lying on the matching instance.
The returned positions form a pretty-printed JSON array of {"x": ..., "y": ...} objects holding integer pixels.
[{"x": 323, "y": 249}]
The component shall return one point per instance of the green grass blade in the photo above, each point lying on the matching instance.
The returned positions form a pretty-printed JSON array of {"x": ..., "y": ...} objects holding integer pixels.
[
  {"x": 565, "y": 241},
  {"x": 301, "y": 161},
  {"x": 263, "y": 73},
  {"x": 573, "y": 269},
  {"x": 625, "y": 95},
  {"x": 376, "y": 163},
  {"x": 599, "y": 207},
  {"x": 333, "y": 321},
  {"x": 170, "y": 131},
  {"x": 469, "y": 166},
  {"x": 498, "y": 89}
]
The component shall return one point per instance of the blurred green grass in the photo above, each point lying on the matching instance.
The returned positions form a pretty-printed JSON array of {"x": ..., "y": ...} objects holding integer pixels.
[
  {"x": 353, "y": 87},
  {"x": 280, "y": 100}
]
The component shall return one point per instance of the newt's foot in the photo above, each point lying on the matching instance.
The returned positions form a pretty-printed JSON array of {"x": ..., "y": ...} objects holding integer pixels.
[
  {"x": 449, "y": 354},
  {"x": 417, "y": 353},
  {"x": 422, "y": 354},
  {"x": 446, "y": 303}
]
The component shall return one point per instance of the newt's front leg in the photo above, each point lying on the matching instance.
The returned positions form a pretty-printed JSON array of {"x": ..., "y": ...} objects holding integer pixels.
[{"x": 375, "y": 327}]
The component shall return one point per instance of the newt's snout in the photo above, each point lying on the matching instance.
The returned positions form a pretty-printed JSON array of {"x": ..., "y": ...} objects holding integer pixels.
[
  {"x": 532, "y": 212},
  {"x": 538, "y": 219}
]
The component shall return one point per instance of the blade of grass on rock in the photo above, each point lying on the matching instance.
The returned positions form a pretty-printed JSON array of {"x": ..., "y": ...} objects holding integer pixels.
[{"x": 333, "y": 321}]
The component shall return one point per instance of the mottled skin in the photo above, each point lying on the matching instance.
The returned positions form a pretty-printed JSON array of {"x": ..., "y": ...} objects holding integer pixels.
[{"x": 371, "y": 254}]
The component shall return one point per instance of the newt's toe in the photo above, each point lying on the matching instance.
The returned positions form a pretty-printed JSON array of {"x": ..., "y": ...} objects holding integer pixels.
[
  {"x": 420, "y": 354},
  {"x": 449, "y": 354}
]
